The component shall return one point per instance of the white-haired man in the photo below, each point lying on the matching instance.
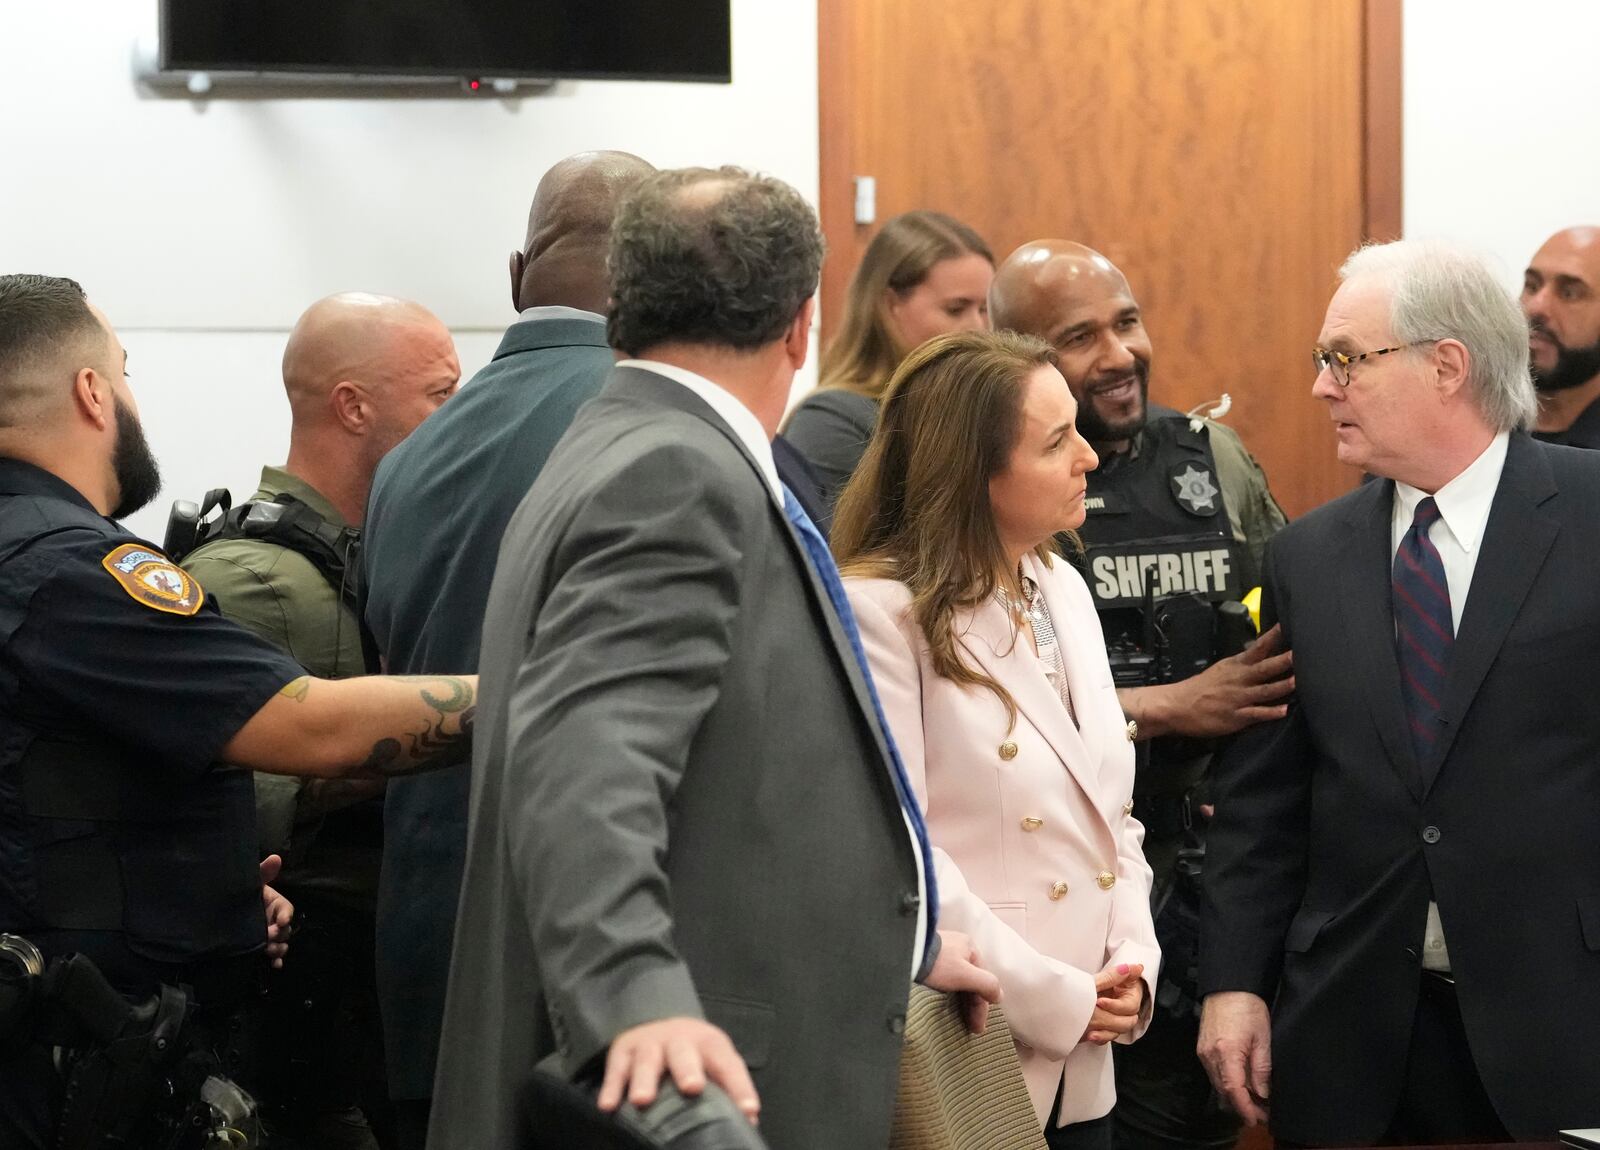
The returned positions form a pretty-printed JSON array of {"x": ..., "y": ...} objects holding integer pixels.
[{"x": 1406, "y": 866}]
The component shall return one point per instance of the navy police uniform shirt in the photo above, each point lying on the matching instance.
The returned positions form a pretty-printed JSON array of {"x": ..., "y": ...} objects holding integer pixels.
[{"x": 120, "y": 682}]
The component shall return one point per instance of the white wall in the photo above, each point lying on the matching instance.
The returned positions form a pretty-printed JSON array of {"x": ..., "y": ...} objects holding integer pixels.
[
  {"x": 1501, "y": 122},
  {"x": 203, "y": 228}
]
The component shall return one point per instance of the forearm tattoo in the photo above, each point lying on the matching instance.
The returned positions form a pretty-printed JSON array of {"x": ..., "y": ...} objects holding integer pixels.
[{"x": 444, "y": 740}]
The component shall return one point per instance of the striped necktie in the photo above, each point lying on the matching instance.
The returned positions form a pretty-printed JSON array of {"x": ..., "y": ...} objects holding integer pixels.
[{"x": 1424, "y": 631}]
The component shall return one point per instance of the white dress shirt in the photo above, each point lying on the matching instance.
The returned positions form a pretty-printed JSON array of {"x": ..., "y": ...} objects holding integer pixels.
[
  {"x": 1463, "y": 513},
  {"x": 747, "y": 427},
  {"x": 556, "y": 311},
  {"x": 1463, "y": 505}
]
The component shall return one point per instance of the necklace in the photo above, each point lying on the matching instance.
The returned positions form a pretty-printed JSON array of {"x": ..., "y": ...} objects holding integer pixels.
[
  {"x": 1031, "y": 609},
  {"x": 1025, "y": 607}
]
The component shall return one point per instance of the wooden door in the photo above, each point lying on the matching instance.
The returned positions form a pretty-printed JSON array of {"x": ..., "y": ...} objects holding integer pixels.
[{"x": 1226, "y": 154}]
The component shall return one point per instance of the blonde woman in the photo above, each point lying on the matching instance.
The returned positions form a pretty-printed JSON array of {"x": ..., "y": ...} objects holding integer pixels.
[{"x": 924, "y": 274}]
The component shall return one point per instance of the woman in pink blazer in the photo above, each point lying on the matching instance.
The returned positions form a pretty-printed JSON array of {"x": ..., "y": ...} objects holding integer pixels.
[{"x": 992, "y": 671}]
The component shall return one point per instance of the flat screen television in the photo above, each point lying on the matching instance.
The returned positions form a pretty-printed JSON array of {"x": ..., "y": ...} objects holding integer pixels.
[{"x": 538, "y": 39}]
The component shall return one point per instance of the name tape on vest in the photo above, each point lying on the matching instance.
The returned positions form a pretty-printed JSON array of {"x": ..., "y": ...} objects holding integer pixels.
[{"x": 1106, "y": 503}]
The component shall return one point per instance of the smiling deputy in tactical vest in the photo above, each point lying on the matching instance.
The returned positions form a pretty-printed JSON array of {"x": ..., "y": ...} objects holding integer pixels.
[{"x": 1178, "y": 517}]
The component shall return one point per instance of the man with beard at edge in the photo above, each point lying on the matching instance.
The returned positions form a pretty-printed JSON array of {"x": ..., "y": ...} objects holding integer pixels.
[
  {"x": 127, "y": 701},
  {"x": 1183, "y": 501},
  {"x": 1561, "y": 298}
]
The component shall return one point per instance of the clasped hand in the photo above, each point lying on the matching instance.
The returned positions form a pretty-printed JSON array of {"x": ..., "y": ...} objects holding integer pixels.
[{"x": 1119, "y": 998}]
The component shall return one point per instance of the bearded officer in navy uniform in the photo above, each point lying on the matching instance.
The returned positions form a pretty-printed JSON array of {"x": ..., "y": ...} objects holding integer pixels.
[
  {"x": 1179, "y": 515},
  {"x": 122, "y": 692}
]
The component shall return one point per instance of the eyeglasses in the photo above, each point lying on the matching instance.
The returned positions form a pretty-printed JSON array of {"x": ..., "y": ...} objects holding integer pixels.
[{"x": 1339, "y": 363}]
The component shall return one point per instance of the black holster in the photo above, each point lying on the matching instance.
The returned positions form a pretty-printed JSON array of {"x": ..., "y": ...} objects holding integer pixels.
[
  {"x": 135, "y": 1075},
  {"x": 115, "y": 1077}
]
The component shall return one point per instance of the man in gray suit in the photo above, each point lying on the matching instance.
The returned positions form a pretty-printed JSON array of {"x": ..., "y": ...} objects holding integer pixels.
[
  {"x": 692, "y": 848},
  {"x": 440, "y": 503}
]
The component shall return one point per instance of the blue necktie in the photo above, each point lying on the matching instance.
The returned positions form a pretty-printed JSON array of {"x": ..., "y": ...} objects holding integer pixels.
[
  {"x": 822, "y": 563},
  {"x": 1424, "y": 630}
]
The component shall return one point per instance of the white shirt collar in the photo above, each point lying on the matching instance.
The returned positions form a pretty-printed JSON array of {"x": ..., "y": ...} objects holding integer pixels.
[
  {"x": 1464, "y": 502},
  {"x": 556, "y": 311},
  {"x": 729, "y": 409}
]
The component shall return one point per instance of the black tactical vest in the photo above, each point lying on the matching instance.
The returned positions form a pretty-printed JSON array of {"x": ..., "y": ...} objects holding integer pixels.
[
  {"x": 287, "y": 522},
  {"x": 166, "y": 866},
  {"x": 1160, "y": 555},
  {"x": 1157, "y": 521}
]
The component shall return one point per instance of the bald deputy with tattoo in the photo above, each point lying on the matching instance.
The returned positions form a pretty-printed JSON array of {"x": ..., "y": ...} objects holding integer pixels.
[{"x": 128, "y": 708}]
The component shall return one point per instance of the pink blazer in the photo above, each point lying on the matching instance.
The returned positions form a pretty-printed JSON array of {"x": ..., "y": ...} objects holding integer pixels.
[{"x": 1036, "y": 854}]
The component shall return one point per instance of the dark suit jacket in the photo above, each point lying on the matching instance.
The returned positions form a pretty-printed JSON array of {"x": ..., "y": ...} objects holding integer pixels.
[
  {"x": 1330, "y": 837},
  {"x": 830, "y": 428},
  {"x": 681, "y": 802},
  {"x": 801, "y": 478},
  {"x": 440, "y": 503}
]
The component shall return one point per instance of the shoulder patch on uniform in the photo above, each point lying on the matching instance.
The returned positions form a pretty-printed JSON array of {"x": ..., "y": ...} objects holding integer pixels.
[{"x": 154, "y": 580}]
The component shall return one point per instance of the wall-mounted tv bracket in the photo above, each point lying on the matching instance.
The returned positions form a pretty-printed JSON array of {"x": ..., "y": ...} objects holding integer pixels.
[{"x": 153, "y": 79}]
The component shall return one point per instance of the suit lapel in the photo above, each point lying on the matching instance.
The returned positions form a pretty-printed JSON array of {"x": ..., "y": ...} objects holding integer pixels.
[
  {"x": 991, "y": 638},
  {"x": 1367, "y": 620},
  {"x": 1083, "y": 659},
  {"x": 1515, "y": 541},
  {"x": 845, "y": 654},
  {"x": 843, "y": 649}
]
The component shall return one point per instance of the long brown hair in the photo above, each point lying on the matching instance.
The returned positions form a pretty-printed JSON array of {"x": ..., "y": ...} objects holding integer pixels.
[
  {"x": 917, "y": 509},
  {"x": 864, "y": 354}
]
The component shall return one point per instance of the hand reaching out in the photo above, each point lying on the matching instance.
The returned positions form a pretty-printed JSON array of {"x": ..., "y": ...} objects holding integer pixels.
[
  {"x": 1240, "y": 691},
  {"x": 1233, "y": 693}
]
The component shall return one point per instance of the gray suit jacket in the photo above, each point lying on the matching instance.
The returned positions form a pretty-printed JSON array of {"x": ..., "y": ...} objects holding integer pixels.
[
  {"x": 681, "y": 803},
  {"x": 440, "y": 504}
]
